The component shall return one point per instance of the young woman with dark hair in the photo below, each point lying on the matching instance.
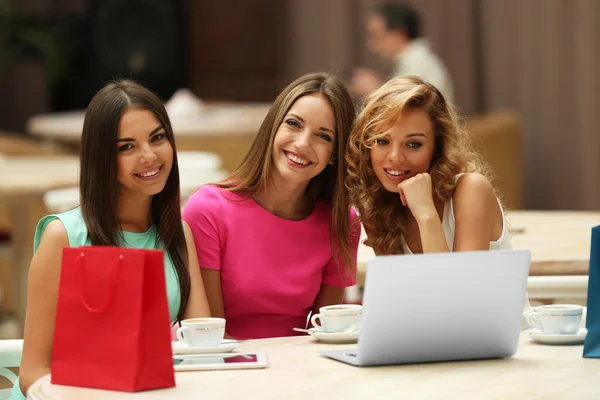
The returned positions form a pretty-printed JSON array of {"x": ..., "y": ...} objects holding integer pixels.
[{"x": 129, "y": 191}]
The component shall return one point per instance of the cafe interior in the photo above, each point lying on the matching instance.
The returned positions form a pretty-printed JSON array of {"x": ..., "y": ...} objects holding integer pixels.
[{"x": 524, "y": 74}]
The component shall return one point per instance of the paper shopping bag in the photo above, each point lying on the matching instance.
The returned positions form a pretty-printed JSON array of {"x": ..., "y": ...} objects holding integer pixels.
[
  {"x": 591, "y": 347},
  {"x": 112, "y": 320}
]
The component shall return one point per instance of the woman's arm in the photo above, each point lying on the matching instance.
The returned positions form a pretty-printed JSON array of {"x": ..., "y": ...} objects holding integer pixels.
[
  {"x": 212, "y": 283},
  {"x": 416, "y": 194},
  {"x": 202, "y": 215},
  {"x": 42, "y": 297},
  {"x": 328, "y": 296},
  {"x": 478, "y": 218},
  {"x": 336, "y": 277},
  {"x": 433, "y": 239},
  {"x": 477, "y": 214},
  {"x": 197, "y": 306}
]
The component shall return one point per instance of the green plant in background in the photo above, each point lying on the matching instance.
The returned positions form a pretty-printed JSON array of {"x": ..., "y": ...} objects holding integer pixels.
[{"x": 30, "y": 36}]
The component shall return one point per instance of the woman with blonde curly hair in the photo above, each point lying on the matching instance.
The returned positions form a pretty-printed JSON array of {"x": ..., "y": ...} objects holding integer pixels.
[{"x": 417, "y": 184}]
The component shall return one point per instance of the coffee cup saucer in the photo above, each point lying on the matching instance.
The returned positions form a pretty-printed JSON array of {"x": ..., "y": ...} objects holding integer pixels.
[
  {"x": 226, "y": 346},
  {"x": 333, "y": 337},
  {"x": 553, "y": 338}
]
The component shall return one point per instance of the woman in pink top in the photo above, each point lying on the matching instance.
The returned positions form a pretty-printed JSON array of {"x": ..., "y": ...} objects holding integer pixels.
[{"x": 277, "y": 239}]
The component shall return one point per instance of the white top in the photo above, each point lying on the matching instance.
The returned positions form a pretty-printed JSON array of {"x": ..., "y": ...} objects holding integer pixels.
[{"x": 419, "y": 60}]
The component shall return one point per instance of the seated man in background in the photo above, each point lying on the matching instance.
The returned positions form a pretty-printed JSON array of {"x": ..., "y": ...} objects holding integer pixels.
[{"x": 394, "y": 33}]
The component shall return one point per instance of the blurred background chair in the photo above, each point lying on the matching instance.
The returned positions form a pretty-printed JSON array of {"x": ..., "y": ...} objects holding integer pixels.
[
  {"x": 10, "y": 357},
  {"x": 498, "y": 137}
]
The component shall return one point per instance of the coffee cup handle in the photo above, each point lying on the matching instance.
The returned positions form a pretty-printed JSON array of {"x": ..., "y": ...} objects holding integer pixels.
[
  {"x": 534, "y": 320},
  {"x": 313, "y": 321},
  {"x": 180, "y": 331}
]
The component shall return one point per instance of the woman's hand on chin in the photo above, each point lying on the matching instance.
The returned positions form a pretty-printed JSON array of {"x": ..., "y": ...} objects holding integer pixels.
[{"x": 416, "y": 194}]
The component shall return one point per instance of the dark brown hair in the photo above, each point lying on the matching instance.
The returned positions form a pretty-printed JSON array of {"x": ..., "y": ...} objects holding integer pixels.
[
  {"x": 98, "y": 183},
  {"x": 256, "y": 168}
]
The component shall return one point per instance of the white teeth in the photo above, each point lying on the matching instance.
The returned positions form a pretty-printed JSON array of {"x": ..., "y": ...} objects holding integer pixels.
[
  {"x": 150, "y": 173},
  {"x": 395, "y": 172},
  {"x": 296, "y": 159}
]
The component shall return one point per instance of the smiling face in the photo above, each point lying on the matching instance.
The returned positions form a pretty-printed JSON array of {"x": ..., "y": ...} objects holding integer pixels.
[
  {"x": 406, "y": 151},
  {"x": 144, "y": 153},
  {"x": 305, "y": 141}
]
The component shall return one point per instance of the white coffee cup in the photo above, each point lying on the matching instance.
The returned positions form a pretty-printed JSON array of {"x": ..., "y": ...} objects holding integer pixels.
[
  {"x": 557, "y": 318},
  {"x": 202, "y": 332},
  {"x": 338, "y": 318}
]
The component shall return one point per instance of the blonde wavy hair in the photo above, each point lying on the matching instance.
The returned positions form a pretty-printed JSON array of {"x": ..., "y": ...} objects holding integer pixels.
[{"x": 381, "y": 212}]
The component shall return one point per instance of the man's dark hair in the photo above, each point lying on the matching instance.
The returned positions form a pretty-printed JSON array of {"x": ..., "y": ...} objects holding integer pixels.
[{"x": 400, "y": 16}]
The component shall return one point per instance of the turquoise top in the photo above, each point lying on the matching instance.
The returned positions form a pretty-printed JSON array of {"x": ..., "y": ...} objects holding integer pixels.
[{"x": 78, "y": 236}]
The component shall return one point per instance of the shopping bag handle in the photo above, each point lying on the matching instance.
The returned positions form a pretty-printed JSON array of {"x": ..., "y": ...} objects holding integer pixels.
[{"x": 112, "y": 283}]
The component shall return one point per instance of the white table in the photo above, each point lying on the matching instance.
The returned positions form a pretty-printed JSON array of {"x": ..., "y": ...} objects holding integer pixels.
[{"x": 297, "y": 372}]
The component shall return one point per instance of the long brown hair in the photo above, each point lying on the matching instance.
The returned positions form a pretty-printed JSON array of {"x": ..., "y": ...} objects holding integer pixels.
[
  {"x": 381, "y": 212},
  {"x": 255, "y": 169},
  {"x": 98, "y": 183}
]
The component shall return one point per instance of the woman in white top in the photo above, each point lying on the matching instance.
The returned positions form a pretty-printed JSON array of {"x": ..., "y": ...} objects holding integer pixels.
[
  {"x": 449, "y": 220},
  {"x": 417, "y": 184}
]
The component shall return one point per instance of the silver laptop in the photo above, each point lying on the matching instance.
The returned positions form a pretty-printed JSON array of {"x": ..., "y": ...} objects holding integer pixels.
[{"x": 440, "y": 307}]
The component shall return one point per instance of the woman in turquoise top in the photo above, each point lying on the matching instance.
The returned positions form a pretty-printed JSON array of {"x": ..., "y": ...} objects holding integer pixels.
[{"x": 129, "y": 191}]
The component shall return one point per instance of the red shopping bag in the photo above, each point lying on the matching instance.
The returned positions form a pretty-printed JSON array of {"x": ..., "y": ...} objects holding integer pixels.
[{"x": 112, "y": 320}]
